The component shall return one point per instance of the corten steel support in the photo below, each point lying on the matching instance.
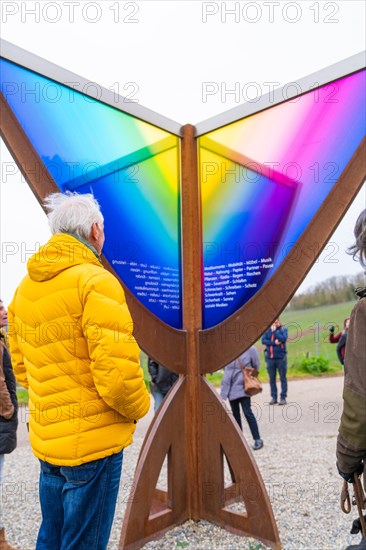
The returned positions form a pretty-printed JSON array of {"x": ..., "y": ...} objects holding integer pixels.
[{"x": 192, "y": 315}]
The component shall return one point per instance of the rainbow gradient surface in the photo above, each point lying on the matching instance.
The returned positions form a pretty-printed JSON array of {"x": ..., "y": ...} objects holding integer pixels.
[
  {"x": 262, "y": 180},
  {"x": 131, "y": 167}
]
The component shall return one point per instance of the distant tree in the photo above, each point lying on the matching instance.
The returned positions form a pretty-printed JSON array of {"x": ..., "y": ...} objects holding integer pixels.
[{"x": 334, "y": 290}]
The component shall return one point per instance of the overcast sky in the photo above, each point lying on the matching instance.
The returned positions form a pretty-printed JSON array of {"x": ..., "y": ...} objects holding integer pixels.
[{"x": 168, "y": 56}]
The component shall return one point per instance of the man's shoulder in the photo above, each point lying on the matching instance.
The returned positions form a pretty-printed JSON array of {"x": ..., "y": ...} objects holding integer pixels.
[
  {"x": 91, "y": 273},
  {"x": 100, "y": 280}
]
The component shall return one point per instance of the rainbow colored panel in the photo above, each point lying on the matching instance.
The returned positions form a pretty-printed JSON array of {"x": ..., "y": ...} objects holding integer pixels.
[
  {"x": 262, "y": 180},
  {"x": 132, "y": 168}
]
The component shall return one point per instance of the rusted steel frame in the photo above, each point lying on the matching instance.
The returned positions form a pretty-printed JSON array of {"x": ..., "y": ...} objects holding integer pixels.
[{"x": 192, "y": 313}]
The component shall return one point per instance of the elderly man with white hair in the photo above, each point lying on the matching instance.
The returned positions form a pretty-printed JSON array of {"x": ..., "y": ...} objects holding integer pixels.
[{"x": 71, "y": 342}]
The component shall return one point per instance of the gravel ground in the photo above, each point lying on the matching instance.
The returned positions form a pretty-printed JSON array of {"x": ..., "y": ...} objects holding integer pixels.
[{"x": 297, "y": 464}]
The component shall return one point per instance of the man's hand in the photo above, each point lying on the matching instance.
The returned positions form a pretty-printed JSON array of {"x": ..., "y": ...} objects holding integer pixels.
[{"x": 350, "y": 476}]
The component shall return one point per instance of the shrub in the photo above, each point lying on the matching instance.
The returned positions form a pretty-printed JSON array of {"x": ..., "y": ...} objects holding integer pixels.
[{"x": 314, "y": 365}]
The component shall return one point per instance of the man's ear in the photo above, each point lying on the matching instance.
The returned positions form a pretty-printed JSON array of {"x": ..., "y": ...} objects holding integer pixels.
[{"x": 95, "y": 231}]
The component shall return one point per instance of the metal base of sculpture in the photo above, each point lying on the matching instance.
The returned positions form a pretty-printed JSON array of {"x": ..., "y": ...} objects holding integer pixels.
[{"x": 152, "y": 511}]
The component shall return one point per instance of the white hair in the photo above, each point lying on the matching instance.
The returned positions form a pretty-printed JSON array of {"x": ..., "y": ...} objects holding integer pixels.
[{"x": 72, "y": 213}]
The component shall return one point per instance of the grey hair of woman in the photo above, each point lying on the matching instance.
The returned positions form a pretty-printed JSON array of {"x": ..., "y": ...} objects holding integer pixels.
[
  {"x": 72, "y": 213},
  {"x": 358, "y": 249}
]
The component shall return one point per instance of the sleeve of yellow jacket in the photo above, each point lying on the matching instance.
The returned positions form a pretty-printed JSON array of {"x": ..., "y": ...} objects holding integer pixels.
[
  {"x": 114, "y": 353},
  {"x": 16, "y": 355}
]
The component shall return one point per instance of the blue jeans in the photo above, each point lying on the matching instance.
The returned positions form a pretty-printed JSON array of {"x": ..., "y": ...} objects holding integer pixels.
[
  {"x": 248, "y": 413},
  {"x": 78, "y": 504},
  {"x": 281, "y": 365}
]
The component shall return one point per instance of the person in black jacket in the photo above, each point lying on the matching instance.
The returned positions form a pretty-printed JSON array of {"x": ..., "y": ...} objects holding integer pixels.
[
  {"x": 162, "y": 380},
  {"x": 8, "y": 412}
]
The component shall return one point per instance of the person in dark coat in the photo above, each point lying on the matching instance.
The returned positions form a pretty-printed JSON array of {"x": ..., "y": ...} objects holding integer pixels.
[
  {"x": 232, "y": 388},
  {"x": 8, "y": 412},
  {"x": 276, "y": 358},
  {"x": 351, "y": 442},
  {"x": 162, "y": 380},
  {"x": 340, "y": 339}
]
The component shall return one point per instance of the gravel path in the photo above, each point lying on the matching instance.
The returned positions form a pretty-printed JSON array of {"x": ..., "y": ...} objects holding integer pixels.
[{"x": 297, "y": 464}]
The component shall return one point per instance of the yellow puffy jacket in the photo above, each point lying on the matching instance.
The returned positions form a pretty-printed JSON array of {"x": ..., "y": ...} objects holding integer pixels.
[{"x": 71, "y": 342}]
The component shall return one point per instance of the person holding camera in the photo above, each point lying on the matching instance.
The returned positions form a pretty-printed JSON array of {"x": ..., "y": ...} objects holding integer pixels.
[{"x": 340, "y": 339}]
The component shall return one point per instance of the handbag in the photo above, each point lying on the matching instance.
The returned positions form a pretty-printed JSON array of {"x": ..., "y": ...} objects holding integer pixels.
[{"x": 252, "y": 386}]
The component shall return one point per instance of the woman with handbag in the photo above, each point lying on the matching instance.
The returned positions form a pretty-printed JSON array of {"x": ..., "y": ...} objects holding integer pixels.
[{"x": 232, "y": 388}]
